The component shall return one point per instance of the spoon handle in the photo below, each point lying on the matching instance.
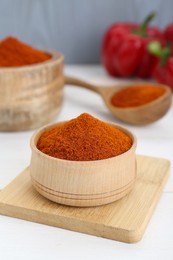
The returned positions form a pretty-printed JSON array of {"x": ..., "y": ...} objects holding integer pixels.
[{"x": 81, "y": 83}]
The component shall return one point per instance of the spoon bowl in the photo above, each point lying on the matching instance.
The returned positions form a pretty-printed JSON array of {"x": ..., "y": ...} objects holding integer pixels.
[{"x": 139, "y": 115}]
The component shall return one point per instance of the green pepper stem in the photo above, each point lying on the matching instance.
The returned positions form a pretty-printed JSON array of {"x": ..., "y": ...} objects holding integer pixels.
[
  {"x": 142, "y": 29},
  {"x": 156, "y": 49}
]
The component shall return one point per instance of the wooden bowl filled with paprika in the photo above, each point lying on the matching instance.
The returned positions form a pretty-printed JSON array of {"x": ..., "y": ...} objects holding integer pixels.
[
  {"x": 83, "y": 162},
  {"x": 31, "y": 85}
]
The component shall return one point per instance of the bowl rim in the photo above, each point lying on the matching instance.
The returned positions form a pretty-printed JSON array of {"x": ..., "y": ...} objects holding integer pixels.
[
  {"x": 56, "y": 57},
  {"x": 38, "y": 133}
]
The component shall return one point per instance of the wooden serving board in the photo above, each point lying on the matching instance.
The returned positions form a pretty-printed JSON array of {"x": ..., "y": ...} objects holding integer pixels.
[{"x": 124, "y": 220}]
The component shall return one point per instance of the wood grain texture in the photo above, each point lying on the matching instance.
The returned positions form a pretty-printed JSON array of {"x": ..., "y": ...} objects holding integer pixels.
[
  {"x": 31, "y": 96},
  {"x": 140, "y": 115},
  {"x": 124, "y": 220},
  {"x": 83, "y": 183}
]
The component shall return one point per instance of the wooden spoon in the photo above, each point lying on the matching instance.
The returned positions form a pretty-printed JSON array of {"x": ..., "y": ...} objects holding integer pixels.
[{"x": 140, "y": 115}]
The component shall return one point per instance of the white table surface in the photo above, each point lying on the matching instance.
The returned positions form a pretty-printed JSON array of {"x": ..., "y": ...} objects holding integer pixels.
[{"x": 21, "y": 239}]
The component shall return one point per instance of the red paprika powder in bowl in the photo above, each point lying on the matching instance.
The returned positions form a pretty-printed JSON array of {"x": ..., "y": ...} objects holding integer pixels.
[
  {"x": 83, "y": 162},
  {"x": 31, "y": 85},
  {"x": 14, "y": 53}
]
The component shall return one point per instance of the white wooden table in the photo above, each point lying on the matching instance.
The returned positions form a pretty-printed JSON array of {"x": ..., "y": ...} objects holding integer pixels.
[{"x": 26, "y": 240}]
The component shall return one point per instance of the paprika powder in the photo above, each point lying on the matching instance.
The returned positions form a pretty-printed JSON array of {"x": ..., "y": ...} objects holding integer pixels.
[
  {"x": 84, "y": 138},
  {"x": 14, "y": 53},
  {"x": 134, "y": 96}
]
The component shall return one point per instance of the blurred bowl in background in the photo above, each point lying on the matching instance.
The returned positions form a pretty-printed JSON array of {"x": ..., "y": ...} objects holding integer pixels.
[{"x": 31, "y": 96}]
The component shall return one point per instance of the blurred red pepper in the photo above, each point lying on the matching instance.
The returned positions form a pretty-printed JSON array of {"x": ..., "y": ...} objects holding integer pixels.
[
  {"x": 163, "y": 71},
  {"x": 168, "y": 32},
  {"x": 124, "y": 50}
]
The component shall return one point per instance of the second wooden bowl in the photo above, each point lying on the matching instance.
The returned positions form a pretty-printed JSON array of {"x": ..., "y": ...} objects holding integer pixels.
[
  {"x": 82, "y": 183},
  {"x": 31, "y": 96}
]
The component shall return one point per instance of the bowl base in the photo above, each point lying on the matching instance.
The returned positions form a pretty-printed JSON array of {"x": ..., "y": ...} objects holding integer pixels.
[{"x": 83, "y": 200}]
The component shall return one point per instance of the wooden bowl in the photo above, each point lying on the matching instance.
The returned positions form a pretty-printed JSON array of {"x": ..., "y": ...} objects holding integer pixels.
[
  {"x": 31, "y": 96},
  {"x": 82, "y": 183}
]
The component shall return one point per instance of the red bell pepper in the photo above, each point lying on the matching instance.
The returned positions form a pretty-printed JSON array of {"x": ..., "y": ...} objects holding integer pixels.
[
  {"x": 163, "y": 71},
  {"x": 124, "y": 50},
  {"x": 168, "y": 32}
]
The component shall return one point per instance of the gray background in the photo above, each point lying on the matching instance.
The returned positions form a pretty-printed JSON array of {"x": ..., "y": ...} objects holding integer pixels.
[{"x": 74, "y": 27}]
